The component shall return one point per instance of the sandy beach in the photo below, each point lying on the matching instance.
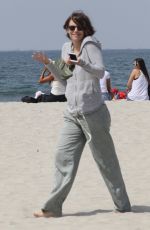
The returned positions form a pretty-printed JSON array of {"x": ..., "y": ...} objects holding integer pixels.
[{"x": 28, "y": 134}]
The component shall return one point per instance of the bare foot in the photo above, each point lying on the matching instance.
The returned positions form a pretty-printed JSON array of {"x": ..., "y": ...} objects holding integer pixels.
[{"x": 43, "y": 214}]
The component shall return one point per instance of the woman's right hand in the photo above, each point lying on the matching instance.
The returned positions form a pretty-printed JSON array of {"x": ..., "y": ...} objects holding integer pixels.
[{"x": 38, "y": 56}]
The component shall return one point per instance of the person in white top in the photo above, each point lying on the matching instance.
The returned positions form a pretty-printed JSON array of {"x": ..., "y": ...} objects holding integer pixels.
[
  {"x": 105, "y": 85},
  {"x": 138, "y": 82},
  {"x": 57, "y": 90}
]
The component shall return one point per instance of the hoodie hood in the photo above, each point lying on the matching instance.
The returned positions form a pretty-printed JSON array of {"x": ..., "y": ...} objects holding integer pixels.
[{"x": 90, "y": 39}]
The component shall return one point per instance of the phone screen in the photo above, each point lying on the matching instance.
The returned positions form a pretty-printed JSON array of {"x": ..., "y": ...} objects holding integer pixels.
[{"x": 73, "y": 57}]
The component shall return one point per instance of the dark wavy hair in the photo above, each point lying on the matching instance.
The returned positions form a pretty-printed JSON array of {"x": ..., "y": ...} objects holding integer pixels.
[
  {"x": 82, "y": 20},
  {"x": 141, "y": 63}
]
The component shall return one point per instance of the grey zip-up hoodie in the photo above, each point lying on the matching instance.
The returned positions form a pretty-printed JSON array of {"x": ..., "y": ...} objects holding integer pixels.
[{"x": 83, "y": 88}]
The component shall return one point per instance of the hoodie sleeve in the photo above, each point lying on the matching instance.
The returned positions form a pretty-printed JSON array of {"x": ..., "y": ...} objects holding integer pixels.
[
  {"x": 52, "y": 68},
  {"x": 57, "y": 75},
  {"x": 94, "y": 64}
]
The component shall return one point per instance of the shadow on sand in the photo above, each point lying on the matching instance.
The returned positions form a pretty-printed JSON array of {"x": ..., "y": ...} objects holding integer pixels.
[
  {"x": 140, "y": 208},
  {"x": 135, "y": 209},
  {"x": 90, "y": 213}
]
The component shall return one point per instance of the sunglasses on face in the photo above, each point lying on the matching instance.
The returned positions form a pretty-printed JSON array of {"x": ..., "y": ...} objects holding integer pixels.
[
  {"x": 72, "y": 28},
  {"x": 135, "y": 63}
]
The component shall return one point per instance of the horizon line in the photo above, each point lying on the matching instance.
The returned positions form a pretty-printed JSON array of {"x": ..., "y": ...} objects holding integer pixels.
[{"x": 20, "y": 50}]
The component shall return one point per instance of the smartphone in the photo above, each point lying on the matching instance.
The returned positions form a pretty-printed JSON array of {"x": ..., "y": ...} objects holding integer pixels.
[{"x": 73, "y": 57}]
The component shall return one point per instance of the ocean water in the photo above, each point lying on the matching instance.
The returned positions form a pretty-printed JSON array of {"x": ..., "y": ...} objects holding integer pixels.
[{"x": 19, "y": 74}]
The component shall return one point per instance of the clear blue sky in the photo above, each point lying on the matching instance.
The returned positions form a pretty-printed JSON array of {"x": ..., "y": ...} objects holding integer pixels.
[{"x": 38, "y": 24}]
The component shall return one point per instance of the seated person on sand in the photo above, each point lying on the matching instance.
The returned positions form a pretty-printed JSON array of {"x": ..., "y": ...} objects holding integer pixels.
[
  {"x": 105, "y": 84},
  {"x": 57, "y": 90},
  {"x": 138, "y": 82}
]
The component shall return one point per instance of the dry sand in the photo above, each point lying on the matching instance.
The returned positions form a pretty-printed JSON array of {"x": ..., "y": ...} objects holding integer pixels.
[{"x": 28, "y": 134}]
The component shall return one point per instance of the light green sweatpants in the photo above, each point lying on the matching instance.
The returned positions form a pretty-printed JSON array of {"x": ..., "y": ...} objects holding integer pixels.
[{"x": 93, "y": 128}]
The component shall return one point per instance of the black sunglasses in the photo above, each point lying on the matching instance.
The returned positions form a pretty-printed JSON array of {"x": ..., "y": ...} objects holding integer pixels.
[
  {"x": 72, "y": 28},
  {"x": 135, "y": 63}
]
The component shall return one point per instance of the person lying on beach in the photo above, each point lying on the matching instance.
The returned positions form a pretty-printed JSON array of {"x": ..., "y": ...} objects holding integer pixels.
[{"x": 57, "y": 93}]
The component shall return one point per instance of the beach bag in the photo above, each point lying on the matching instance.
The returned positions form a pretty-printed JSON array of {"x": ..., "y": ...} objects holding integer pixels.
[{"x": 66, "y": 71}]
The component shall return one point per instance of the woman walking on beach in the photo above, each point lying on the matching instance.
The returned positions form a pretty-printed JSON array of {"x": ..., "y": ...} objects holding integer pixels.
[
  {"x": 138, "y": 82},
  {"x": 86, "y": 119}
]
